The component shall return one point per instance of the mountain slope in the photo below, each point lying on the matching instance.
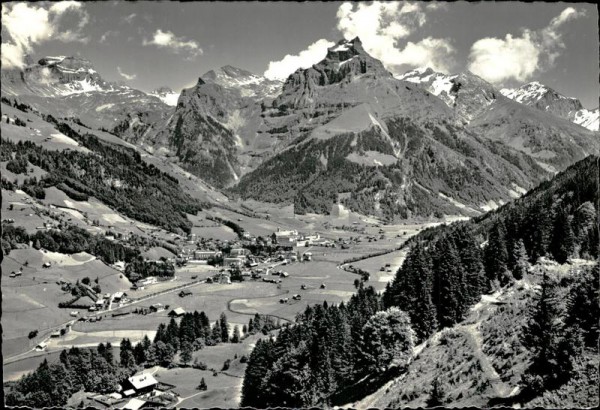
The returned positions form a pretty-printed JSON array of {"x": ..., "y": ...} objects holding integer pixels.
[
  {"x": 550, "y": 137},
  {"x": 387, "y": 146},
  {"x": 546, "y": 99},
  {"x": 69, "y": 87}
]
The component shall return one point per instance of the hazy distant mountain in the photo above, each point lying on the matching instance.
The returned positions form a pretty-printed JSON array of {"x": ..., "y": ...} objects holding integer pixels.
[
  {"x": 249, "y": 85},
  {"x": 68, "y": 87},
  {"x": 546, "y": 99},
  {"x": 166, "y": 95},
  {"x": 549, "y": 137}
]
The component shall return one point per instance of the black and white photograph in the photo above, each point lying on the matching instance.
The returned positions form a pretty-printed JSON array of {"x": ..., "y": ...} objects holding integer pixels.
[{"x": 300, "y": 204}]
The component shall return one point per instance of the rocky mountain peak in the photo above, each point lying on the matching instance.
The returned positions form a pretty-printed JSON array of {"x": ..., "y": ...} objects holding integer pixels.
[
  {"x": 242, "y": 81},
  {"x": 544, "y": 98}
]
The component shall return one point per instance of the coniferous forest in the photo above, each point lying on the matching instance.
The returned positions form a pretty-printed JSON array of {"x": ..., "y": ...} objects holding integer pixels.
[{"x": 318, "y": 359}]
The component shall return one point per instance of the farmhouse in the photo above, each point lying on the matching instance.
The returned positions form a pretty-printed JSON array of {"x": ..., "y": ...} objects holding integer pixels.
[
  {"x": 307, "y": 256},
  {"x": 140, "y": 383},
  {"x": 177, "y": 312},
  {"x": 41, "y": 347},
  {"x": 117, "y": 296},
  {"x": 157, "y": 307}
]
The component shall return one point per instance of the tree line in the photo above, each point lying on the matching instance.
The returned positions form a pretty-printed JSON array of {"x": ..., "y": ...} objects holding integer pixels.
[{"x": 326, "y": 352}]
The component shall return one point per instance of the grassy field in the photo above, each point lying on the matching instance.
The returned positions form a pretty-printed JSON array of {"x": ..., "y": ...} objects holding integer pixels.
[{"x": 31, "y": 301}]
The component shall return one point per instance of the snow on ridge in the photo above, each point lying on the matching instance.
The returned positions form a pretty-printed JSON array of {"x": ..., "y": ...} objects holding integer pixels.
[
  {"x": 167, "y": 98},
  {"x": 589, "y": 119}
]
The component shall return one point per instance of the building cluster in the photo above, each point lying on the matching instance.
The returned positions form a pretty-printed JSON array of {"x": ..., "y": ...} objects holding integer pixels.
[{"x": 139, "y": 391}]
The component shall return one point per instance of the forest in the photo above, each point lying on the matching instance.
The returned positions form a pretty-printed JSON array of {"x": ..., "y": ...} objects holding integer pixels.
[{"x": 329, "y": 349}]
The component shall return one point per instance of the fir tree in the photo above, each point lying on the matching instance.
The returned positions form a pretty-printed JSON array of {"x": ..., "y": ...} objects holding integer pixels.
[
  {"x": 186, "y": 352},
  {"x": 562, "y": 245},
  {"x": 521, "y": 261},
  {"x": 496, "y": 254},
  {"x": 224, "y": 328},
  {"x": 550, "y": 364},
  {"x": 236, "y": 334}
]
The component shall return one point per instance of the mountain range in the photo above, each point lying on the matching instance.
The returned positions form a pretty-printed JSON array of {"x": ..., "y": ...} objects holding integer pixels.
[{"x": 342, "y": 131}]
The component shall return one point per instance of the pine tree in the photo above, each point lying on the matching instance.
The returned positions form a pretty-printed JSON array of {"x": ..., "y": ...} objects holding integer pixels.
[
  {"x": 446, "y": 290},
  {"x": 562, "y": 245},
  {"x": 236, "y": 334},
  {"x": 521, "y": 260},
  {"x": 496, "y": 254},
  {"x": 172, "y": 334},
  {"x": 224, "y": 328},
  {"x": 202, "y": 386},
  {"x": 436, "y": 397},
  {"x": 216, "y": 332},
  {"x": 550, "y": 364},
  {"x": 160, "y": 333},
  {"x": 583, "y": 309},
  {"x": 186, "y": 352},
  {"x": 126, "y": 354}
]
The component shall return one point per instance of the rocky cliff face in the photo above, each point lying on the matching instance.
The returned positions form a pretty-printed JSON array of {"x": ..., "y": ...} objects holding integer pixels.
[{"x": 389, "y": 147}]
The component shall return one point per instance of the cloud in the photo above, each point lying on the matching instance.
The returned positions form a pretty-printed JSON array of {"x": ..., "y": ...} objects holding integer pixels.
[
  {"x": 106, "y": 35},
  {"x": 126, "y": 76},
  {"x": 27, "y": 25},
  {"x": 520, "y": 57},
  {"x": 383, "y": 26},
  {"x": 129, "y": 18},
  {"x": 281, "y": 69},
  {"x": 166, "y": 39}
]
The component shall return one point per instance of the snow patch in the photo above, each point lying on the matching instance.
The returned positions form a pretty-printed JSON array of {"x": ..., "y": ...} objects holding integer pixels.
[{"x": 62, "y": 138}]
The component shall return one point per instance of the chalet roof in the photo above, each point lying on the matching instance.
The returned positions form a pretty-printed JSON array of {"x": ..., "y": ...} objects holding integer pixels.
[
  {"x": 177, "y": 311},
  {"x": 141, "y": 381},
  {"x": 134, "y": 404}
]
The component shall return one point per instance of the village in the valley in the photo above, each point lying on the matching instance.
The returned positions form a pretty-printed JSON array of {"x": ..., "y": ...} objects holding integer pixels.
[{"x": 265, "y": 266}]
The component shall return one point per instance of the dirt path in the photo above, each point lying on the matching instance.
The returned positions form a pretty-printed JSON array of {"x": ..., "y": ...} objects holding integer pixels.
[{"x": 475, "y": 339}]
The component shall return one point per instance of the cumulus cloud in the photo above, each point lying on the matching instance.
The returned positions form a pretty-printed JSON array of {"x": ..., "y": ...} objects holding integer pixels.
[
  {"x": 27, "y": 25},
  {"x": 520, "y": 57},
  {"x": 281, "y": 69},
  {"x": 126, "y": 76},
  {"x": 166, "y": 39},
  {"x": 383, "y": 28}
]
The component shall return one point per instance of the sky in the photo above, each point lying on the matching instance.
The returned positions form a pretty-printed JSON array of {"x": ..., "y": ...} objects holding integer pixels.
[{"x": 151, "y": 44}]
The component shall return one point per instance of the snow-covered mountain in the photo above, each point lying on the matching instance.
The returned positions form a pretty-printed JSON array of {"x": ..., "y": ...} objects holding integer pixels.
[
  {"x": 547, "y": 99},
  {"x": 166, "y": 95},
  {"x": 70, "y": 87},
  {"x": 249, "y": 85}
]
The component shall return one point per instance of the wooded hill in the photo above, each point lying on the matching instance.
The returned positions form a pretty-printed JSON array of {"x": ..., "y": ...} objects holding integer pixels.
[
  {"x": 116, "y": 175},
  {"x": 332, "y": 351}
]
